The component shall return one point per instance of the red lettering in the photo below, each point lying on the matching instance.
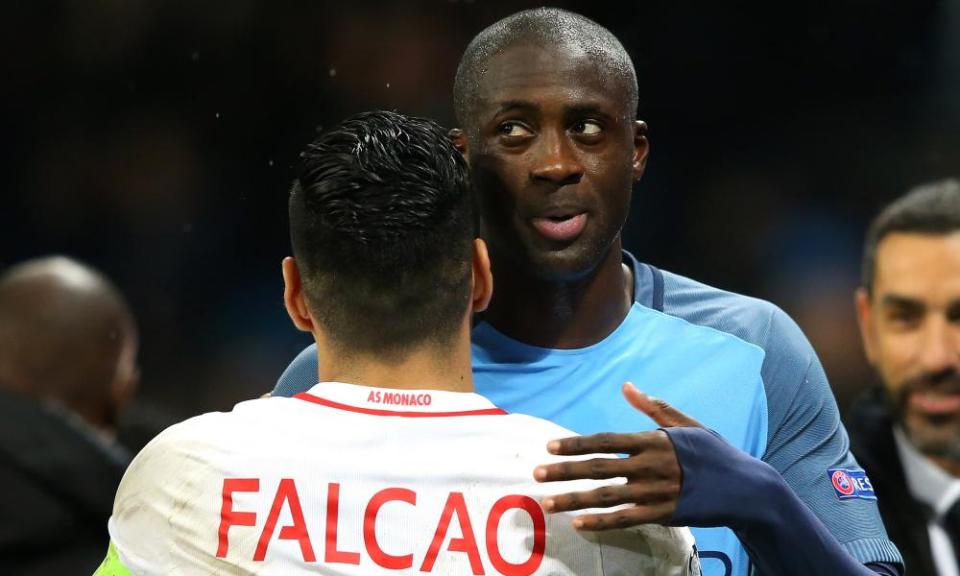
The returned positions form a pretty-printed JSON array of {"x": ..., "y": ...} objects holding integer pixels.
[
  {"x": 370, "y": 528},
  {"x": 539, "y": 535},
  {"x": 230, "y": 517},
  {"x": 286, "y": 492},
  {"x": 467, "y": 544},
  {"x": 331, "y": 554}
]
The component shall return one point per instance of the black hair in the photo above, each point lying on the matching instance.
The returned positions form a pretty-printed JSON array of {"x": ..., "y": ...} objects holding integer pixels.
[
  {"x": 932, "y": 208},
  {"x": 381, "y": 227},
  {"x": 540, "y": 26}
]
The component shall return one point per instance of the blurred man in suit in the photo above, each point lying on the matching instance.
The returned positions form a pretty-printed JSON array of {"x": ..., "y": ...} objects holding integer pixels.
[
  {"x": 906, "y": 433},
  {"x": 68, "y": 347}
]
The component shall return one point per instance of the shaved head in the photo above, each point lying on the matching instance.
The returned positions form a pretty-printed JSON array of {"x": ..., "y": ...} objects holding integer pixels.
[
  {"x": 67, "y": 335},
  {"x": 549, "y": 27}
]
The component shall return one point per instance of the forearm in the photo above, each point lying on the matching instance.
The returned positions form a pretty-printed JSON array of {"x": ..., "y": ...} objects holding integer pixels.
[
  {"x": 723, "y": 486},
  {"x": 785, "y": 538}
]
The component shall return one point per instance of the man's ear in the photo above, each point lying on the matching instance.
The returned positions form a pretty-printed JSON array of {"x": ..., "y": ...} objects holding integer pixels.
[
  {"x": 861, "y": 301},
  {"x": 459, "y": 141},
  {"x": 293, "y": 298},
  {"x": 482, "y": 277},
  {"x": 641, "y": 148}
]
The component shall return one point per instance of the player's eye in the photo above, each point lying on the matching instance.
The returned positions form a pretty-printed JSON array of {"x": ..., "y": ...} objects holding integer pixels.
[
  {"x": 953, "y": 313},
  {"x": 587, "y": 128},
  {"x": 904, "y": 317},
  {"x": 513, "y": 130}
]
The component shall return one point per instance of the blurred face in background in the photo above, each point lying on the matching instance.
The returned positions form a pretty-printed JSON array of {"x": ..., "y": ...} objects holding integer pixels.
[{"x": 911, "y": 332}]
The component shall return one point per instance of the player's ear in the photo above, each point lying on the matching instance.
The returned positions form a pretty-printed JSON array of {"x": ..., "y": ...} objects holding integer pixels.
[
  {"x": 482, "y": 277},
  {"x": 861, "y": 301},
  {"x": 126, "y": 380},
  {"x": 459, "y": 141},
  {"x": 641, "y": 148},
  {"x": 293, "y": 298}
]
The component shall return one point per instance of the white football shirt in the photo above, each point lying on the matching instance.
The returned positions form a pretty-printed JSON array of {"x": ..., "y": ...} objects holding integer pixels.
[{"x": 352, "y": 480}]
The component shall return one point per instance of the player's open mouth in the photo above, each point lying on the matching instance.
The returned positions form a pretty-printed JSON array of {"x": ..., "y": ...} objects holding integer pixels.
[
  {"x": 562, "y": 228},
  {"x": 934, "y": 403}
]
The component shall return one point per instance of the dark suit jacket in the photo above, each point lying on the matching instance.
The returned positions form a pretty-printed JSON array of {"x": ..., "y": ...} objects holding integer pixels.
[
  {"x": 56, "y": 492},
  {"x": 871, "y": 440}
]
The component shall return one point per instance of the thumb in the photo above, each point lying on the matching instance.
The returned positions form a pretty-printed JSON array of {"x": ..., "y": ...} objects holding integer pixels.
[{"x": 658, "y": 410}]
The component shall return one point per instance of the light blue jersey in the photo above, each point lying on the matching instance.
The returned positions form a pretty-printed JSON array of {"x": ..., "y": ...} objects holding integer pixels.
[{"x": 739, "y": 365}]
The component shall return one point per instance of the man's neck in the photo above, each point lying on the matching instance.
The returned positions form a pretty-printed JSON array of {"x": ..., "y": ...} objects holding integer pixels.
[
  {"x": 427, "y": 368},
  {"x": 948, "y": 465},
  {"x": 562, "y": 315}
]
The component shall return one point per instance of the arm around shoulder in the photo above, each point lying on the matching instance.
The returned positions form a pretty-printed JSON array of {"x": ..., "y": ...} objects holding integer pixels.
[{"x": 724, "y": 486}]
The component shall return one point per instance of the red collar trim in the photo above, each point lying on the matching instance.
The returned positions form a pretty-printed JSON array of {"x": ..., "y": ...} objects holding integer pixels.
[{"x": 404, "y": 414}]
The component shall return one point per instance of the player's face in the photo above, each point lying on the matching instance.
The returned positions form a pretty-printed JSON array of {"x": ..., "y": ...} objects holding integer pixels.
[
  {"x": 554, "y": 151},
  {"x": 911, "y": 328}
]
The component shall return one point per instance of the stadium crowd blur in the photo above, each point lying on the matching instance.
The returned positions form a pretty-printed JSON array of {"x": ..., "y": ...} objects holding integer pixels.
[{"x": 155, "y": 141}]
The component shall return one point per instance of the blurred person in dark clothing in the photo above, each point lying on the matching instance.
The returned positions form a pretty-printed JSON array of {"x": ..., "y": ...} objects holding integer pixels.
[
  {"x": 906, "y": 433},
  {"x": 68, "y": 347}
]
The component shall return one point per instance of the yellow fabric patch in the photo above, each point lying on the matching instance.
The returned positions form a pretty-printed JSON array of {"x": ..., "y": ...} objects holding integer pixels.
[{"x": 112, "y": 566}]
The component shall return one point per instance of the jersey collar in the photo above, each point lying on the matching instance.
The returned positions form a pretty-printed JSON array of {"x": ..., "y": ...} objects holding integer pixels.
[{"x": 395, "y": 402}]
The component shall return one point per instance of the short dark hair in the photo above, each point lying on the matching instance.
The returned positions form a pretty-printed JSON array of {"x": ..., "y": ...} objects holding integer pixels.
[
  {"x": 543, "y": 26},
  {"x": 381, "y": 228},
  {"x": 932, "y": 208}
]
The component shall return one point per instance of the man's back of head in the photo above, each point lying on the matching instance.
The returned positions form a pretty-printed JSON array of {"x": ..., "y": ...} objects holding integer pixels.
[
  {"x": 382, "y": 232},
  {"x": 67, "y": 336}
]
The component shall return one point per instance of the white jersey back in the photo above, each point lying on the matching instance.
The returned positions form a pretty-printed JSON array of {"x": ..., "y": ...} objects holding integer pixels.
[{"x": 355, "y": 480}]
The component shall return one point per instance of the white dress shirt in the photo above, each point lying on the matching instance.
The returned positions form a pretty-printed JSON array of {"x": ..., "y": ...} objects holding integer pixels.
[{"x": 936, "y": 488}]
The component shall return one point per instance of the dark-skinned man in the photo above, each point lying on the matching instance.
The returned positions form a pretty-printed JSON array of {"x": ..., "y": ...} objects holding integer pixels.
[
  {"x": 68, "y": 346},
  {"x": 547, "y": 101}
]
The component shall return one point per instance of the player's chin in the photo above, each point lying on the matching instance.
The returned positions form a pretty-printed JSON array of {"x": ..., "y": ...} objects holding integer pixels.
[
  {"x": 939, "y": 437},
  {"x": 563, "y": 263}
]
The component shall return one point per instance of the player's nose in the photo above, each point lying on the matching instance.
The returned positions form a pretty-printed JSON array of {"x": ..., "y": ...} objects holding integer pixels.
[
  {"x": 555, "y": 159},
  {"x": 940, "y": 349}
]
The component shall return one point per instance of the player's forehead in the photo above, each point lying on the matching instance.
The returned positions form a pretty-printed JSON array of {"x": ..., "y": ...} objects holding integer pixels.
[
  {"x": 919, "y": 266},
  {"x": 561, "y": 75}
]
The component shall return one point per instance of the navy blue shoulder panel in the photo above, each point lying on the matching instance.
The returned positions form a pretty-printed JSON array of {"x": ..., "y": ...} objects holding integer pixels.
[{"x": 657, "y": 301}]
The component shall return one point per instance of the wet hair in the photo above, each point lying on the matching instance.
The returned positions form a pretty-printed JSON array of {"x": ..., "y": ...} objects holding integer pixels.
[
  {"x": 932, "y": 209},
  {"x": 381, "y": 228},
  {"x": 540, "y": 26}
]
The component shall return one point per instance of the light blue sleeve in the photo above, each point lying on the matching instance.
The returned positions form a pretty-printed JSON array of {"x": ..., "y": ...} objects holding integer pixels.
[
  {"x": 807, "y": 440},
  {"x": 300, "y": 375},
  {"x": 805, "y": 437}
]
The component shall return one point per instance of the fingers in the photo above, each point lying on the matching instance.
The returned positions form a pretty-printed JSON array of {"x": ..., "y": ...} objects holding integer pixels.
[
  {"x": 640, "y": 494},
  {"x": 604, "y": 443},
  {"x": 645, "y": 514},
  {"x": 662, "y": 465},
  {"x": 596, "y": 468},
  {"x": 658, "y": 410}
]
